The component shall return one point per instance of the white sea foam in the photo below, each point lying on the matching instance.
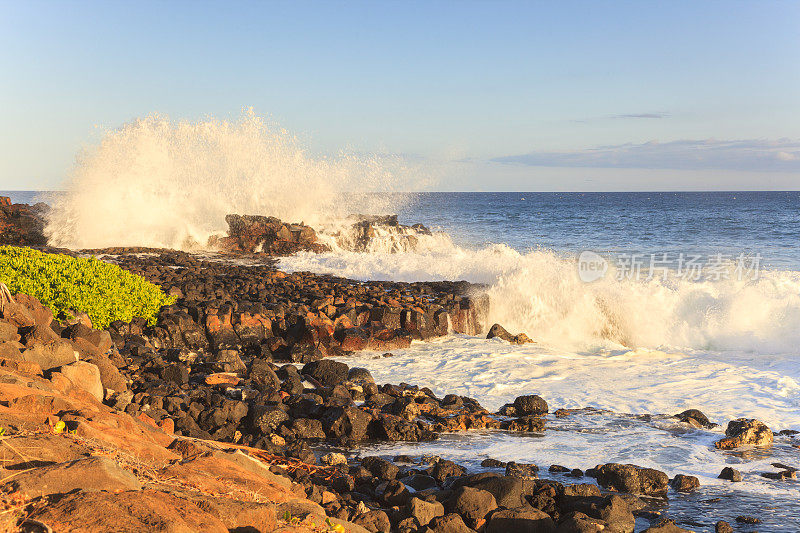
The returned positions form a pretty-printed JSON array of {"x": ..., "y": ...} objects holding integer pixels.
[
  {"x": 620, "y": 383},
  {"x": 541, "y": 294}
]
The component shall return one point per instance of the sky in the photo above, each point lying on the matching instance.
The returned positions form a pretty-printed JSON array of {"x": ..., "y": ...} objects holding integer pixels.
[{"x": 493, "y": 95}]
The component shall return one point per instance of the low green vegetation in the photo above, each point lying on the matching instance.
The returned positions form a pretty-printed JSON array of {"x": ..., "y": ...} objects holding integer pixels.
[{"x": 65, "y": 284}]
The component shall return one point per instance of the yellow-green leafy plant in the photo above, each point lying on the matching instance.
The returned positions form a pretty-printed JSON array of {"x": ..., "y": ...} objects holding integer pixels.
[{"x": 65, "y": 284}]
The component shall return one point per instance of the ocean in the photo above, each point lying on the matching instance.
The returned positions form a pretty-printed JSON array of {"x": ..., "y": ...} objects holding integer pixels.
[
  {"x": 627, "y": 348},
  {"x": 641, "y": 305}
]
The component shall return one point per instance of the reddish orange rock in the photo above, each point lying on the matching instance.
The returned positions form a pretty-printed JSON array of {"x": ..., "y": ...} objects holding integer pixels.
[
  {"x": 222, "y": 378},
  {"x": 147, "y": 420},
  {"x": 167, "y": 425}
]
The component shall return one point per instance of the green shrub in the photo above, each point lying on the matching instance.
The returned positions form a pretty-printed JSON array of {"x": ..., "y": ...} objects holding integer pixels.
[{"x": 103, "y": 291}]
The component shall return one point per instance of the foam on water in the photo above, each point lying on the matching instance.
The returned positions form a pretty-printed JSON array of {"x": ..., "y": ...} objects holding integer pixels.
[
  {"x": 621, "y": 386},
  {"x": 723, "y": 385}
]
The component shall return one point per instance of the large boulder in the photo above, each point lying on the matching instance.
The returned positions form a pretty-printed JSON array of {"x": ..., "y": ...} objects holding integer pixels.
[
  {"x": 50, "y": 355},
  {"x": 85, "y": 376},
  {"x": 327, "y": 372},
  {"x": 613, "y": 511},
  {"x": 683, "y": 483},
  {"x": 530, "y": 405},
  {"x": 745, "y": 432},
  {"x": 346, "y": 423},
  {"x": 449, "y": 523},
  {"x": 507, "y": 490},
  {"x": 424, "y": 511},
  {"x": 256, "y": 233},
  {"x": 632, "y": 479},
  {"x": 472, "y": 504},
  {"x": 267, "y": 418}
]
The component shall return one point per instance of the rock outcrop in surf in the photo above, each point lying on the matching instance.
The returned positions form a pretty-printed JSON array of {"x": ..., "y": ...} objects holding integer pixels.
[{"x": 22, "y": 224}]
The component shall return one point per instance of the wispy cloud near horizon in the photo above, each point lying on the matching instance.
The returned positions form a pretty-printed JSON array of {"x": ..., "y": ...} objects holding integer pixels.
[
  {"x": 748, "y": 154},
  {"x": 624, "y": 116},
  {"x": 642, "y": 115}
]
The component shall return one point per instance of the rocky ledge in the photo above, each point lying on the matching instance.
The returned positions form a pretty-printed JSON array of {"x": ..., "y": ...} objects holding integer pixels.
[{"x": 22, "y": 224}]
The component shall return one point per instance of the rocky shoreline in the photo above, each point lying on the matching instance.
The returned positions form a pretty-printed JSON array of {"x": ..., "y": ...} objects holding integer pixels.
[{"x": 218, "y": 417}]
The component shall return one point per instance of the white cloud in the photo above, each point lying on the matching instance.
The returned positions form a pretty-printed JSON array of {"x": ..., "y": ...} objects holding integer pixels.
[{"x": 753, "y": 155}]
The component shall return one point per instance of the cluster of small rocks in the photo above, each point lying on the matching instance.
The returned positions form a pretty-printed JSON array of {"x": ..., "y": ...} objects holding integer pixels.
[
  {"x": 434, "y": 495},
  {"x": 298, "y": 317}
]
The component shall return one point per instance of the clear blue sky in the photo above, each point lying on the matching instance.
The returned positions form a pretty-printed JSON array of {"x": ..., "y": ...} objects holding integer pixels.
[{"x": 496, "y": 95}]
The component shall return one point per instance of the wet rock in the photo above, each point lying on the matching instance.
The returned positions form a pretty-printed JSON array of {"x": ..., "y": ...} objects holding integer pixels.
[
  {"x": 256, "y": 233},
  {"x": 492, "y": 463},
  {"x": 746, "y": 519},
  {"x": 666, "y": 526},
  {"x": 525, "y": 424},
  {"x": 694, "y": 417},
  {"x": 722, "y": 527},
  {"x": 780, "y": 476},
  {"x": 530, "y": 405},
  {"x": 522, "y": 471},
  {"x": 731, "y": 474},
  {"x": 632, "y": 479},
  {"x": 500, "y": 332},
  {"x": 521, "y": 520},
  {"x": 682, "y": 483},
  {"x": 472, "y": 504},
  {"x": 745, "y": 432}
]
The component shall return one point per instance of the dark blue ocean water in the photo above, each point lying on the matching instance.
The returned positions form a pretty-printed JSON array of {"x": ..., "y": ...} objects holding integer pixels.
[
  {"x": 729, "y": 223},
  {"x": 702, "y": 223}
]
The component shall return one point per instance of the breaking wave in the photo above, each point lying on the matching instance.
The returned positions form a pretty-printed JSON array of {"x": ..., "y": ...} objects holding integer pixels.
[
  {"x": 159, "y": 183},
  {"x": 541, "y": 294}
]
